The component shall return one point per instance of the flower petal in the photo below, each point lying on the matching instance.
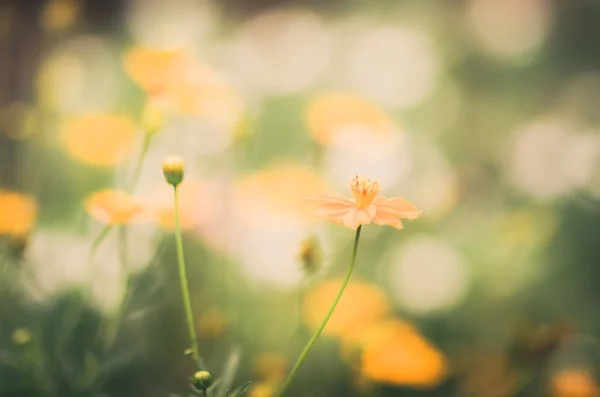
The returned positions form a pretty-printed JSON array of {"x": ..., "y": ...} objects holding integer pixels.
[
  {"x": 359, "y": 216},
  {"x": 392, "y": 221},
  {"x": 400, "y": 207},
  {"x": 328, "y": 200}
]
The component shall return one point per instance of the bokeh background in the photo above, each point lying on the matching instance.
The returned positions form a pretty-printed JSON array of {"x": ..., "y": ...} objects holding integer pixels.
[{"x": 483, "y": 113}]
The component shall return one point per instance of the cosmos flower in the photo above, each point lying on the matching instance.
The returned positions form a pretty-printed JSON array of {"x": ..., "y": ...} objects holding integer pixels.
[
  {"x": 365, "y": 207},
  {"x": 114, "y": 207}
]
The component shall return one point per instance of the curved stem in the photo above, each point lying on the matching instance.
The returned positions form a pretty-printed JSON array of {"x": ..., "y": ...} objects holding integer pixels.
[
  {"x": 184, "y": 282},
  {"x": 314, "y": 338}
]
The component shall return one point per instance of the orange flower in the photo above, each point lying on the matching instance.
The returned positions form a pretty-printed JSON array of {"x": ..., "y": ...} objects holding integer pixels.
[
  {"x": 154, "y": 70},
  {"x": 113, "y": 207},
  {"x": 362, "y": 305},
  {"x": 395, "y": 352},
  {"x": 98, "y": 139},
  {"x": 574, "y": 383},
  {"x": 365, "y": 208},
  {"x": 330, "y": 112},
  {"x": 277, "y": 190},
  {"x": 18, "y": 213}
]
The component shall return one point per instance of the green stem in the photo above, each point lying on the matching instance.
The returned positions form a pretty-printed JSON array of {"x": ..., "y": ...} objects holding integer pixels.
[
  {"x": 184, "y": 282},
  {"x": 314, "y": 338},
  {"x": 137, "y": 168}
]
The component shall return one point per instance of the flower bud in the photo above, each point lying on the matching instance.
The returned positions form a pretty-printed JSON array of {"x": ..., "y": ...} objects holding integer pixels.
[
  {"x": 311, "y": 256},
  {"x": 202, "y": 380},
  {"x": 173, "y": 168}
]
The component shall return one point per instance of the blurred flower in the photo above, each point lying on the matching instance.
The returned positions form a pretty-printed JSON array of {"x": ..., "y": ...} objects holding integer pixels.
[
  {"x": 262, "y": 390},
  {"x": 279, "y": 51},
  {"x": 277, "y": 190},
  {"x": 574, "y": 383},
  {"x": 212, "y": 323},
  {"x": 184, "y": 85},
  {"x": 18, "y": 214},
  {"x": 267, "y": 248},
  {"x": 361, "y": 305},
  {"x": 396, "y": 353},
  {"x": 79, "y": 76},
  {"x": 365, "y": 208},
  {"x": 509, "y": 30},
  {"x": 428, "y": 275},
  {"x": 98, "y": 139},
  {"x": 59, "y": 15},
  {"x": 552, "y": 156},
  {"x": 311, "y": 256},
  {"x": 113, "y": 207},
  {"x": 170, "y": 24},
  {"x": 154, "y": 70},
  {"x": 21, "y": 336},
  {"x": 271, "y": 367},
  {"x": 56, "y": 262},
  {"x": 329, "y": 113},
  {"x": 355, "y": 149},
  {"x": 195, "y": 200},
  {"x": 396, "y": 66}
]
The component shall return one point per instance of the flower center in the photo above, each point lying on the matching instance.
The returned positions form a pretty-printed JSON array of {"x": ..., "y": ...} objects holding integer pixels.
[{"x": 364, "y": 190}]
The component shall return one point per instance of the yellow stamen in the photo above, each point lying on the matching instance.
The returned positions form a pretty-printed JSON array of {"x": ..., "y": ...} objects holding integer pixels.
[{"x": 364, "y": 190}]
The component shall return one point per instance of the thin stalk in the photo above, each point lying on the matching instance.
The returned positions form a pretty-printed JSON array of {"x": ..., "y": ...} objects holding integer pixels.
[
  {"x": 315, "y": 336},
  {"x": 184, "y": 282},
  {"x": 137, "y": 168}
]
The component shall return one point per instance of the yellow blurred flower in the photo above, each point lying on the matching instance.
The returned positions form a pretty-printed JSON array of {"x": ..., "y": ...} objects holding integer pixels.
[
  {"x": 60, "y": 14},
  {"x": 98, "y": 139},
  {"x": 278, "y": 189},
  {"x": 329, "y": 112},
  {"x": 184, "y": 85},
  {"x": 271, "y": 367},
  {"x": 262, "y": 390},
  {"x": 362, "y": 305},
  {"x": 154, "y": 70},
  {"x": 115, "y": 207},
  {"x": 574, "y": 383},
  {"x": 212, "y": 323},
  {"x": 394, "y": 352},
  {"x": 21, "y": 336},
  {"x": 18, "y": 213}
]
